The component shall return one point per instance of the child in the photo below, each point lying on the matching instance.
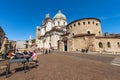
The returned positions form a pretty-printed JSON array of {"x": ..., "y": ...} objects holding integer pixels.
[{"x": 34, "y": 56}]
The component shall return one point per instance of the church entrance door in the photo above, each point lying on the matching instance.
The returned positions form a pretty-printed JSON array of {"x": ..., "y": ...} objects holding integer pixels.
[{"x": 65, "y": 45}]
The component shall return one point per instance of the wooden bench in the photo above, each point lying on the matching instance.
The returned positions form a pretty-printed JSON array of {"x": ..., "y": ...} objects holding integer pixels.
[
  {"x": 22, "y": 60},
  {"x": 6, "y": 64}
]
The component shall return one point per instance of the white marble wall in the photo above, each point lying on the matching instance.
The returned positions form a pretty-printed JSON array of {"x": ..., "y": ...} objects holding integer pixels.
[
  {"x": 42, "y": 31},
  {"x": 54, "y": 41},
  {"x": 60, "y": 22},
  {"x": 49, "y": 26},
  {"x": 48, "y": 42},
  {"x": 41, "y": 43}
]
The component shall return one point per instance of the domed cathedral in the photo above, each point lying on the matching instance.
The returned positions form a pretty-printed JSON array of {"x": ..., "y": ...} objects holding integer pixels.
[
  {"x": 83, "y": 35},
  {"x": 86, "y": 35},
  {"x": 48, "y": 34},
  {"x": 60, "y": 19}
]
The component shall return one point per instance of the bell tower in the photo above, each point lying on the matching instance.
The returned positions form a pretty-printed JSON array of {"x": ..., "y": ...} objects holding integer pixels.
[{"x": 37, "y": 34}]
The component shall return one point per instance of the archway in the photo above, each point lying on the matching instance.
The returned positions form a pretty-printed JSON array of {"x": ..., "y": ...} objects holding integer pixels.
[{"x": 65, "y": 45}]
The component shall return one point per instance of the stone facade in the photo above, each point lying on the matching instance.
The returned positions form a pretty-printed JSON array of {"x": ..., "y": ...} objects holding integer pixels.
[
  {"x": 86, "y": 34},
  {"x": 4, "y": 42},
  {"x": 2, "y": 36},
  {"x": 82, "y": 34},
  {"x": 109, "y": 44},
  {"x": 85, "y": 26}
]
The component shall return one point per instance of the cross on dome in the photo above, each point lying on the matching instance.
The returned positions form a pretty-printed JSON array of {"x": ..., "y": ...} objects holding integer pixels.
[{"x": 59, "y": 11}]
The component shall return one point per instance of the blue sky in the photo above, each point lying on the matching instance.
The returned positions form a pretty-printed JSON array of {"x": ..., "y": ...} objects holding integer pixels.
[{"x": 19, "y": 18}]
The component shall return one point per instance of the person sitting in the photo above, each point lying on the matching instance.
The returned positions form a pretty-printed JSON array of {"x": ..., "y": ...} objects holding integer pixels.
[
  {"x": 25, "y": 52},
  {"x": 33, "y": 57},
  {"x": 11, "y": 54}
]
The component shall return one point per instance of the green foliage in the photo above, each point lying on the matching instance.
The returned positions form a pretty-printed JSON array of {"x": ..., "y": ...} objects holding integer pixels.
[
  {"x": 27, "y": 41},
  {"x": 33, "y": 40}
]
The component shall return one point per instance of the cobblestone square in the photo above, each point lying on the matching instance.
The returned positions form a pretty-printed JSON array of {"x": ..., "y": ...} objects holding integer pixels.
[{"x": 69, "y": 66}]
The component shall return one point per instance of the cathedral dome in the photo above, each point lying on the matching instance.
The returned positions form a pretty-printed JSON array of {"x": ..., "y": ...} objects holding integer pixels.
[{"x": 59, "y": 15}]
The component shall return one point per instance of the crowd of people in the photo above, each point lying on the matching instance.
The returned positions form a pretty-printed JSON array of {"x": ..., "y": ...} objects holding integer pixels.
[
  {"x": 16, "y": 54},
  {"x": 47, "y": 51}
]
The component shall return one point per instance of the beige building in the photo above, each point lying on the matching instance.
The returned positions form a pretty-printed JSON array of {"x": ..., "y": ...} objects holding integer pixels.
[
  {"x": 4, "y": 43},
  {"x": 2, "y": 35},
  {"x": 79, "y": 35},
  {"x": 86, "y": 35}
]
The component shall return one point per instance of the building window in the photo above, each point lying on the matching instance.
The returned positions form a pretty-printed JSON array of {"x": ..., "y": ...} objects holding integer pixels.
[
  {"x": 78, "y": 23},
  {"x": 74, "y": 25},
  {"x": 100, "y": 45},
  {"x": 88, "y": 22},
  {"x": 58, "y": 23},
  {"x": 118, "y": 44},
  {"x": 96, "y": 24},
  {"x": 83, "y": 23},
  {"x": 64, "y": 23},
  {"x": 38, "y": 29},
  {"x": 88, "y": 32},
  {"x": 108, "y": 45},
  {"x": 99, "y": 33}
]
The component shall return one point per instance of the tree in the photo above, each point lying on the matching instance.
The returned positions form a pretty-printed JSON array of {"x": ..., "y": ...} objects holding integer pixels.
[
  {"x": 33, "y": 40},
  {"x": 27, "y": 41}
]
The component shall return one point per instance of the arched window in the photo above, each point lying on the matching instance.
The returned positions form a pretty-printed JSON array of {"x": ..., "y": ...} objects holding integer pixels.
[
  {"x": 83, "y": 23},
  {"x": 99, "y": 33},
  {"x": 88, "y": 32},
  {"x": 79, "y": 23},
  {"x": 64, "y": 23},
  {"x": 74, "y": 25},
  {"x": 38, "y": 29},
  {"x": 88, "y": 22},
  {"x": 108, "y": 45},
  {"x": 58, "y": 23},
  {"x": 100, "y": 45},
  {"x": 73, "y": 34},
  {"x": 96, "y": 24},
  {"x": 118, "y": 44}
]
